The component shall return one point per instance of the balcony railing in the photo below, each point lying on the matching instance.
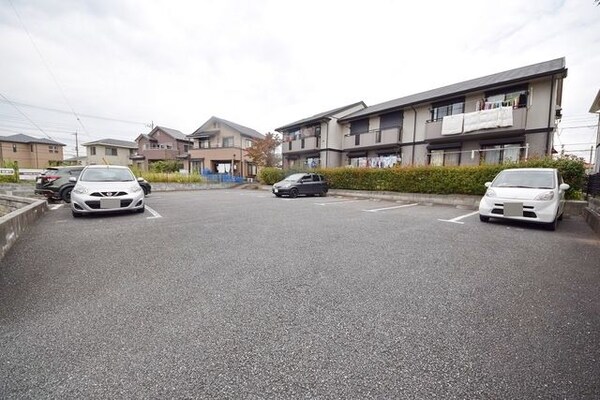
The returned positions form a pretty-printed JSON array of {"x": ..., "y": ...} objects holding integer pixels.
[
  {"x": 303, "y": 144},
  {"x": 373, "y": 138},
  {"x": 435, "y": 129}
]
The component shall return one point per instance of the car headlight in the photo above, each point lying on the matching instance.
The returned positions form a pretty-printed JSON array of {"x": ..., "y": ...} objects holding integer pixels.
[
  {"x": 545, "y": 196},
  {"x": 80, "y": 189},
  {"x": 490, "y": 193},
  {"x": 135, "y": 188}
]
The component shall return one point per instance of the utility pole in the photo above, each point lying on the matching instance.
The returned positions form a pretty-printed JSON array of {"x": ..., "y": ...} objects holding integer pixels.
[{"x": 76, "y": 145}]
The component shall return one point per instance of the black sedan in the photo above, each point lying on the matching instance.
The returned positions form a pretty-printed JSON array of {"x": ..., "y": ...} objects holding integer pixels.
[{"x": 301, "y": 184}]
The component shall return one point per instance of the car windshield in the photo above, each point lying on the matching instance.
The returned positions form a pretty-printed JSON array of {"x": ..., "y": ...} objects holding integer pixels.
[
  {"x": 107, "y": 175},
  {"x": 294, "y": 178},
  {"x": 525, "y": 179}
]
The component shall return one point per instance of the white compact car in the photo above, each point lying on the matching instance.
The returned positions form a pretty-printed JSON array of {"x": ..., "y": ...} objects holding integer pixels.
[
  {"x": 525, "y": 194},
  {"x": 106, "y": 188}
]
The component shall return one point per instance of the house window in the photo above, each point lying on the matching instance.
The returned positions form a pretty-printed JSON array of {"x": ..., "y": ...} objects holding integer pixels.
[
  {"x": 14, "y": 147},
  {"x": 501, "y": 153},
  {"x": 251, "y": 169},
  {"x": 228, "y": 141},
  {"x": 515, "y": 96},
  {"x": 290, "y": 146},
  {"x": 53, "y": 149},
  {"x": 31, "y": 147},
  {"x": 204, "y": 144},
  {"x": 358, "y": 161},
  {"x": 390, "y": 120},
  {"x": 93, "y": 150},
  {"x": 248, "y": 143},
  {"x": 186, "y": 148},
  {"x": 313, "y": 162},
  {"x": 110, "y": 151},
  {"x": 449, "y": 107},
  {"x": 446, "y": 157}
]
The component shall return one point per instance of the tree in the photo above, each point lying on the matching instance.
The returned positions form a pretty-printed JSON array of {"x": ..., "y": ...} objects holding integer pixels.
[{"x": 262, "y": 153}]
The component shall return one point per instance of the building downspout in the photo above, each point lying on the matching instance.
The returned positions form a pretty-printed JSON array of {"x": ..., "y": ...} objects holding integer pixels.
[
  {"x": 327, "y": 143},
  {"x": 550, "y": 132},
  {"x": 412, "y": 160}
]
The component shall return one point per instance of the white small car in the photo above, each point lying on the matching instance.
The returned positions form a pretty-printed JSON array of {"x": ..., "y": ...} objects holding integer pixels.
[
  {"x": 525, "y": 194},
  {"x": 106, "y": 188}
]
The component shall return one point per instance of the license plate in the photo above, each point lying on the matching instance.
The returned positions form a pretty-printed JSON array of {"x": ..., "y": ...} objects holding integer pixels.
[
  {"x": 38, "y": 180},
  {"x": 110, "y": 203},
  {"x": 513, "y": 209}
]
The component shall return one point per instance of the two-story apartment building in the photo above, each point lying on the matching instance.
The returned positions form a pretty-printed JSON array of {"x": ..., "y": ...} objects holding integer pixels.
[
  {"x": 110, "y": 152},
  {"x": 218, "y": 147},
  {"x": 161, "y": 144},
  {"x": 502, "y": 117},
  {"x": 316, "y": 141},
  {"x": 30, "y": 152}
]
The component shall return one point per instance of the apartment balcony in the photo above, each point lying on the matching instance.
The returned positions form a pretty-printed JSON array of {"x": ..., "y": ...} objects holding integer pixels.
[
  {"x": 435, "y": 129},
  {"x": 301, "y": 145},
  {"x": 372, "y": 139}
]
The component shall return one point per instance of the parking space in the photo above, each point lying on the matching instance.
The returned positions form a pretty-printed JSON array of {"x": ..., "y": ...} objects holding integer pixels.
[{"x": 239, "y": 294}]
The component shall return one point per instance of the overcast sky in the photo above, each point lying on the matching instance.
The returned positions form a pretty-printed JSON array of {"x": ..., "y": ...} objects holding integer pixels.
[{"x": 263, "y": 64}]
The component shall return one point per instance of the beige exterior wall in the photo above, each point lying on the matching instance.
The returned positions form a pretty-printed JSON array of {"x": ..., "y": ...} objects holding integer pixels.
[
  {"x": 31, "y": 155},
  {"x": 122, "y": 157}
]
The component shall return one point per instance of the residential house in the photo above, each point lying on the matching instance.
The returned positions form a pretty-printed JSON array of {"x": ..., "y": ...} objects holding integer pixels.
[
  {"x": 110, "y": 152},
  {"x": 218, "y": 147},
  {"x": 316, "y": 141},
  {"x": 161, "y": 144},
  {"x": 502, "y": 117},
  {"x": 30, "y": 152},
  {"x": 595, "y": 108}
]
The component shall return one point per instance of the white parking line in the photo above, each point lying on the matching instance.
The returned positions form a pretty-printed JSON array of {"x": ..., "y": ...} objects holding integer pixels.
[
  {"x": 391, "y": 208},
  {"x": 55, "y": 206},
  {"x": 457, "y": 219},
  {"x": 153, "y": 212},
  {"x": 337, "y": 202}
]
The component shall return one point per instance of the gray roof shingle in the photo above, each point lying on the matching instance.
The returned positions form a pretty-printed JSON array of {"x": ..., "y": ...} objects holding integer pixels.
[
  {"x": 318, "y": 117},
  {"x": 173, "y": 132},
  {"x": 457, "y": 89},
  {"x": 244, "y": 130},
  {"x": 20, "y": 138},
  {"x": 113, "y": 142}
]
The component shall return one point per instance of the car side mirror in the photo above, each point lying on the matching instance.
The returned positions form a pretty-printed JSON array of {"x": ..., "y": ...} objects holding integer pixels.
[
  {"x": 564, "y": 186},
  {"x": 72, "y": 179},
  {"x": 140, "y": 179},
  {"x": 487, "y": 184}
]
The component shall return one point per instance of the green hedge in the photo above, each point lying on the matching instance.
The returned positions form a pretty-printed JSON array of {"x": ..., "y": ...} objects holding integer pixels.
[
  {"x": 467, "y": 180},
  {"x": 169, "y": 177}
]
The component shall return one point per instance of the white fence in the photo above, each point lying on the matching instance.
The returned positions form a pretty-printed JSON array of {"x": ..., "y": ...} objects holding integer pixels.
[{"x": 25, "y": 174}]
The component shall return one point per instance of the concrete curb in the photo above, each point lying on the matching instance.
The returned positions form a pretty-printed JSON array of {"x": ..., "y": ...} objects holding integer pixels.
[{"x": 13, "y": 224}]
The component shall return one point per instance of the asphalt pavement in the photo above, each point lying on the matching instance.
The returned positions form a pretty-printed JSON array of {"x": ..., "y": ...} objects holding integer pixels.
[{"x": 238, "y": 294}]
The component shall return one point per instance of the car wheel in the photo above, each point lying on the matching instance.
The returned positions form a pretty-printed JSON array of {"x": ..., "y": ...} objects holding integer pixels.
[
  {"x": 65, "y": 194},
  {"x": 483, "y": 218},
  {"x": 294, "y": 193},
  {"x": 141, "y": 210},
  {"x": 75, "y": 214},
  {"x": 323, "y": 193}
]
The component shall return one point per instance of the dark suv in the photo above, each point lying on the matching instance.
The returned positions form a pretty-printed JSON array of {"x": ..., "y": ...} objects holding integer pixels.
[
  {"x": 54, "y": 182},
  {"x": 301, "y": 184}
]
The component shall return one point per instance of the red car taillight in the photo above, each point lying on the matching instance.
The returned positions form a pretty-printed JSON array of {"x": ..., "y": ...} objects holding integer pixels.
[{"x": 50, "y": 178}]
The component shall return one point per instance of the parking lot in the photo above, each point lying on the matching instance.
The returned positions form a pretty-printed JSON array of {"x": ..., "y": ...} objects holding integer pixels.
[{"x": 238, "y": 294}]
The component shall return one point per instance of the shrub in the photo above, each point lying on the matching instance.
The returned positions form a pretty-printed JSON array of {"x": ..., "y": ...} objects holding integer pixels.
[
  {"x": 270, "y": 175},
  {"x": 165, "y": 166},
  {"x": 170, "y": 177},
  {"x": 468, "y": 180}
]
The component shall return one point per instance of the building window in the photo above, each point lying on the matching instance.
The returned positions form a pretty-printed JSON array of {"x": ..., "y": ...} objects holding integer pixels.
[
  {"x": 290, "y": 146},
  {"x": 446, "y": 157},
  {"x": 110, "y": 151},
  {"x": 390, "y": 120},
  {"x": 14, "y": 147},
  {"x": 31, "y": 147},
  {"x": 359, "y": 126},
  {"x": 92, "y": 150},
  {"x": 186, "y": 148},
  {"x": 312, "y": 162},
  {"x": 228, "y": 141},
  {"x": 249, "y": 143},
  {"x": 53, "y": 149},
  {"x": 251, "y": 169},
  {"x": 204, "y": 144},
  {"x": 515, "y": 96},
  {"x": 450, "y": 107},
  {"x": 358, "y": 161},
  {"x": 501, "y": 153}
]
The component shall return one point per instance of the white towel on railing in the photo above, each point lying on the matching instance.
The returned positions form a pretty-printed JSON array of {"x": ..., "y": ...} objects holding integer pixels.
[
  {"x": 488, "y": 119},
  {"x": 452, "y": 124},
  {"x": 505, "y": 116}
]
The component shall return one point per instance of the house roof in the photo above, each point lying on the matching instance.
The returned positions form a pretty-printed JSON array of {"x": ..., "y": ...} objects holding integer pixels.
[
  {"x": 595, "y": 108},
  {"x": 20, "y": 138},
  {"x": 502, "y": 78},
  {"x": 244, "y": 130},
  {"x": 319, "y": 117},
  {"x": 114, "y": 143},
  {"x": 173, "y": 132}
]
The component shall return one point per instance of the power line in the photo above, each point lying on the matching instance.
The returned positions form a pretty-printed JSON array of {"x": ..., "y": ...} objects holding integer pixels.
[
  {"x": 47, "y": 66},
  {"x": 83, "y": 115},
  {"x": 25, "y": 115}
]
